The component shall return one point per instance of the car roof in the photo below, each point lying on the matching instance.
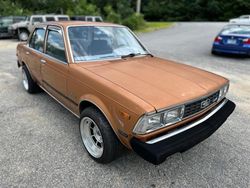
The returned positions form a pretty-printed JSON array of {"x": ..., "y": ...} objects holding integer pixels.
[
  {"x": 49, "y": 15},
  {"x": 235, "y": 24},
  {"x": 78, "y": 23}
]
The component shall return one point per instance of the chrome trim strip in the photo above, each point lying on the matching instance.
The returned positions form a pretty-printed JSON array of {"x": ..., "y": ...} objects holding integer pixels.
[
  {"x": 59, "y": 102},
  {"x": 178, "y": 131}
]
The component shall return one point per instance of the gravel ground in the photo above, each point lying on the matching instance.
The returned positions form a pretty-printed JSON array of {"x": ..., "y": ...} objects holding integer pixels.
[{"x": 40, "y": 143}]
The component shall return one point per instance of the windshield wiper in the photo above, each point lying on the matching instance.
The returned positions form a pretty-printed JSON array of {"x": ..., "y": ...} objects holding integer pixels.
[{"x": 134, "y": 54}]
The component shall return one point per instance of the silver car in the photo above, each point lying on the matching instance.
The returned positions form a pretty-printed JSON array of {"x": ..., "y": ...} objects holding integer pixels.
[{"x": 245, "y": 19}]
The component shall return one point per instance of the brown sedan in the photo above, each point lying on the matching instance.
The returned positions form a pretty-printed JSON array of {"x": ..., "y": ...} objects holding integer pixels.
[{"x": 122, "y": 94}]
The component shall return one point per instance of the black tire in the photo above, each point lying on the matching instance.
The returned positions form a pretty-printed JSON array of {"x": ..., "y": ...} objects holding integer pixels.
[
  {"x": 23, "y": 35},
  {"x": 214, "y": 52},
  {"x": 111, "y": 145},
  {"x": 32, "y": 86}
]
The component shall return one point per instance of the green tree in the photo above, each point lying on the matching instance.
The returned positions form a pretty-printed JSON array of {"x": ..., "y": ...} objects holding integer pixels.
[
  {"x": 10, "y": 8},
  {"x": 111, "y": 15},
  {"x": 81, "y": 7}
]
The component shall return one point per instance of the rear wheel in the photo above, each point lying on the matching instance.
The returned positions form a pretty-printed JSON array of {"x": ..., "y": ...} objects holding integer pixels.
[
  {"x": 28, "y": 83},
  {"x": 98, "y": 137},
  {"x": 23, "y": 35}
]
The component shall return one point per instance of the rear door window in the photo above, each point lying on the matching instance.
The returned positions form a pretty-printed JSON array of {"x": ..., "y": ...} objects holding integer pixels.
[
  {"x": 63, "y": 18},
  {"x": 50, "y": 19},
  {"x": 37, "y": 39},
  {"x": 37, "y": 20},
  {"x": 89, "y": 19},
  {"x": 55, "y": 44}
]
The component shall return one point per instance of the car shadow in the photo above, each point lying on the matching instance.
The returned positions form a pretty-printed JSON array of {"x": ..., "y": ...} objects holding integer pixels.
[{"x": 235, "y": 56}]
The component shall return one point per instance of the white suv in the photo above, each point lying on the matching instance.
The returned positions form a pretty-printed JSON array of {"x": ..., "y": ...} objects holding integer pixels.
[
  {"x": 23, "y": 29},
  {"x": 87, "y": 18}
]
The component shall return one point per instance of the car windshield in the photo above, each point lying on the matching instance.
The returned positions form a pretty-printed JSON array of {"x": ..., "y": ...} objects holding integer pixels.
[
  {"x": 5, "y": 21},
  {"x": 101, "y": 42},
  {"x": 244, "y": 16},
  {"x": 236, "y": 30},
  {"x": 27, "y": 18}
]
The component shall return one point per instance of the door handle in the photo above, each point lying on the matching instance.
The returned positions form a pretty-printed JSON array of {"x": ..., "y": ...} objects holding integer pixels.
[
  {"x": 27, "y": 53},
  {"x": 43, "y": 61}
]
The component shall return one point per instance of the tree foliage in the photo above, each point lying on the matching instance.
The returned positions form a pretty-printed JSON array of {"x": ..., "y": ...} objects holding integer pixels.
[
  {"x": 194, "y": 10},
  {"x": 119, "y": 10}
]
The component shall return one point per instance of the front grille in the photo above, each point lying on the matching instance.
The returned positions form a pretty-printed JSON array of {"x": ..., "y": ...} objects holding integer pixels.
[{"x": 197, "y": 106}]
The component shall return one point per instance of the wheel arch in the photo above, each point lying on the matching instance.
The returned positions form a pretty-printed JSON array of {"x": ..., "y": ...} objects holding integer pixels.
[
  {"x": 97, "y": 103},
  {"x": 94, "y": 101}
]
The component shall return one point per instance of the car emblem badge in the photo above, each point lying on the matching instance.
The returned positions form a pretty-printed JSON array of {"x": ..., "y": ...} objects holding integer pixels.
[{"x": 205, "y": 103}]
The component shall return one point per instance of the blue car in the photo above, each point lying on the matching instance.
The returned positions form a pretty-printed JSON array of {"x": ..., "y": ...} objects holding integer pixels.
[{"x": 233, "y": 39}]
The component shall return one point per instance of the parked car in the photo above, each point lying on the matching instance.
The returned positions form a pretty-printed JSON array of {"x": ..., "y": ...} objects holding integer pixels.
[
  {"x": 233, "y": 39},
  {"x": 245, "y": 19},
  {"x": 23, "y": 29},
  {"x": 87, "y": 18},
  {"x": 5, "y": 21},
  {"x": 121, "y": 93}
]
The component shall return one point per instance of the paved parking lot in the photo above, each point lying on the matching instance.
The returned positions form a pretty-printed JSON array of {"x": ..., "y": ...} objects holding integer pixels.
[{"x": 40, "y": 143}]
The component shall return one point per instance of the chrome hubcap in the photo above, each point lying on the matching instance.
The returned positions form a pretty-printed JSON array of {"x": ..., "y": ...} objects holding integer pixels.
[
  {"x": 91, "y": 137},
  {"x": 25, "y": 80},
  {"x": 23, "y": 36}
]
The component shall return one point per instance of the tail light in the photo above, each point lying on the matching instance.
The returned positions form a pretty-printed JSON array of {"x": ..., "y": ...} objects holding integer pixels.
[
  {"x": 218, "y": 39},
  {"x": 246, "y": 41}
]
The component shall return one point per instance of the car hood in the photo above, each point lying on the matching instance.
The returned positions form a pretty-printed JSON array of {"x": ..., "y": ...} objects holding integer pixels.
[
  {"x": 18, "y": 24},
  {"x": 161, "y": 83}
]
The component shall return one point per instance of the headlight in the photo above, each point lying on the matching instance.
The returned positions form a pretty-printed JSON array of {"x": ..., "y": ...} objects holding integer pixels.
[
  {"x": 156, "y": 121},
  {"x": 223, "y": 92}
]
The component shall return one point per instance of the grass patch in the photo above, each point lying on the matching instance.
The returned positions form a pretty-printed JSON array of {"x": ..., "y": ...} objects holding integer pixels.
[{"x": 153, "y": 26}]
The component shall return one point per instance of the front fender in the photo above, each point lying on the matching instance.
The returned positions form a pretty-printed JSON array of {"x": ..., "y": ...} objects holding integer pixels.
[{"x": 110, "y": 112}]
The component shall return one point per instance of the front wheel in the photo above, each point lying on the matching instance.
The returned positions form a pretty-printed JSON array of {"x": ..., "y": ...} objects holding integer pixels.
[{"x": 97, "y": 136}]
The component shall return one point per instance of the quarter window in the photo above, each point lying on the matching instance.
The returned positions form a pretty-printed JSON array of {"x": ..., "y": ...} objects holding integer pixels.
[
  {"x": 55, "y": 45},
  {"x": 98, "y": 19},
  {"x": 37, "y": 39}
]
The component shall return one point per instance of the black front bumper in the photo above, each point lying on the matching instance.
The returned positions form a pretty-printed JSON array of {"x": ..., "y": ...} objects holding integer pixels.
[{"x": 156, "y": 153}]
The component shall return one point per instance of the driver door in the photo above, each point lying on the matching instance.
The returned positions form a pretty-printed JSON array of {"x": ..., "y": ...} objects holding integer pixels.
[{"x": 54, "y": 68}]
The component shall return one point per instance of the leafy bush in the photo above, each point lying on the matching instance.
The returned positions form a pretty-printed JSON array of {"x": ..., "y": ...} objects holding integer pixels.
[
  {"x": 134, "y": 22},
  {"x": 8, "y": 8},
  {"x": 83, "y": 8},
  {"x": 111, "y": 15}
]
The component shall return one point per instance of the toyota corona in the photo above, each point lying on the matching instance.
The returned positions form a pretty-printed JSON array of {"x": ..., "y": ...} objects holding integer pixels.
[{"x": 121, "y": 93}]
